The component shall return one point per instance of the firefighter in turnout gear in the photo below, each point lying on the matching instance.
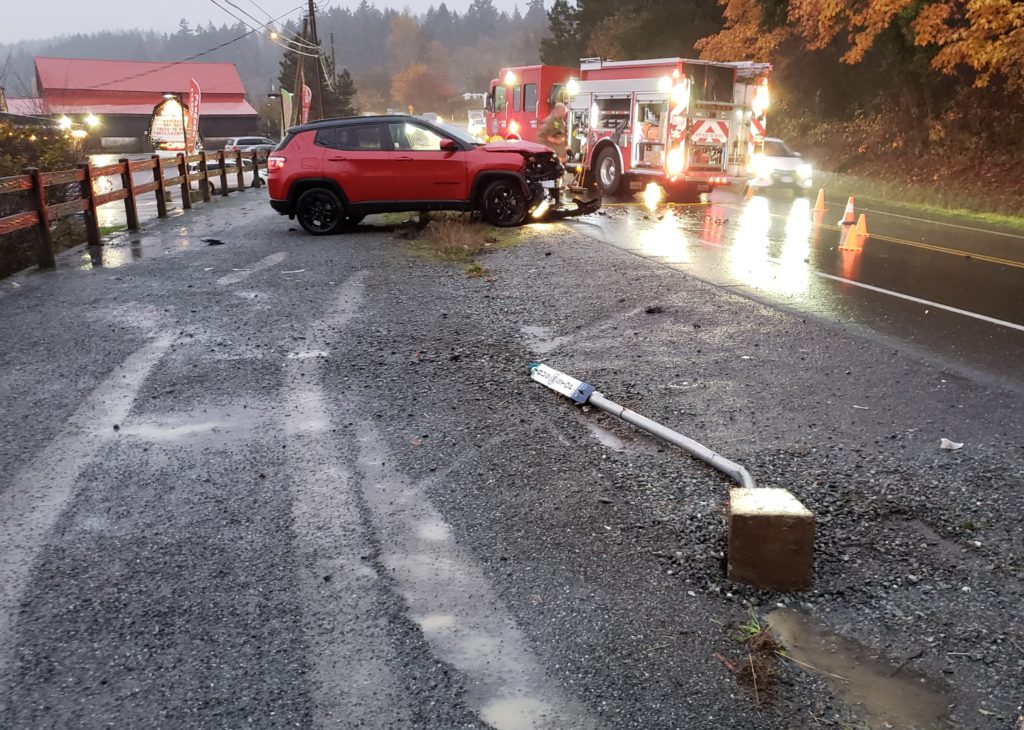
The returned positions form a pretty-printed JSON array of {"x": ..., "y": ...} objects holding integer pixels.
[{"x": 553, "y": 131}]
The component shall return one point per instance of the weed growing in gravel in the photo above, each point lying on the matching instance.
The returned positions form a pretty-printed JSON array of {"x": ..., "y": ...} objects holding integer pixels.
[
  {"x": 760, "y": 666},
  {"x": 451, "y": 237},
  {"x": 476, "y": 270}
]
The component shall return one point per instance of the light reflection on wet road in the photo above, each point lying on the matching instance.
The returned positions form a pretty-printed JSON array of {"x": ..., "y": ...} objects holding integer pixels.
[{"x": 956, "y": 291}]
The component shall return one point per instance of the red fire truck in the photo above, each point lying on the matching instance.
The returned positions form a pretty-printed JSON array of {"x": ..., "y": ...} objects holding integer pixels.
[
  {"x": 521, "y": 97},
  {"x": 689, "y": 125}
]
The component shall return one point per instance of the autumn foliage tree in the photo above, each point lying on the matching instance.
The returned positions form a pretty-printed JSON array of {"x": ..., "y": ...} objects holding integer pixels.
[{"x": 420, "y": 87}]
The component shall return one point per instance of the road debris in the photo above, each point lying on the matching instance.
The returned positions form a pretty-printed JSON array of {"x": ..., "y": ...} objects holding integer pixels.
[{"x": 945, "y": 443}]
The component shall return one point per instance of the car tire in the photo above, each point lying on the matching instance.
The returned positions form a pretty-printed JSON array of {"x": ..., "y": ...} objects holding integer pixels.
[
  {"x": 608, "y": 171},
  {"x": 320, "y": 212},
  {"x": 503, "y": 203}
]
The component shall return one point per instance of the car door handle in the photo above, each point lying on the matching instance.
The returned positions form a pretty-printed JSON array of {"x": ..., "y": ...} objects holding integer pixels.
[
  {"x": 337, "y": 158},
  {"x": 403, "y": 159}
]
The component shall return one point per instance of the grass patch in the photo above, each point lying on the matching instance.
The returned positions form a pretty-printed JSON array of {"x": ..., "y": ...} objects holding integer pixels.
[
  {"x": 459, "y": 238},
  {"x": 476, "y": 270},
  {"x": 104, "y": 230},
  {"x": 950, "y": 200}
]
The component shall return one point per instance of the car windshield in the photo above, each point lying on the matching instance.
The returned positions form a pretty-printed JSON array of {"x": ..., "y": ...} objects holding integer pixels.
[
  {"x": 777, "y": 149},
  {"x": 460, "y": 134}
]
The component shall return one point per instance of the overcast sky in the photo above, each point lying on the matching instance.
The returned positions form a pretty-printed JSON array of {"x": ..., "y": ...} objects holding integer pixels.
[{"x": 22, "y": 20}]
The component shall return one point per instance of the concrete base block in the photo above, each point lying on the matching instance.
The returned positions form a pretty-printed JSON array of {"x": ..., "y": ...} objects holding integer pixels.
[{"x": 771, "y": 539}]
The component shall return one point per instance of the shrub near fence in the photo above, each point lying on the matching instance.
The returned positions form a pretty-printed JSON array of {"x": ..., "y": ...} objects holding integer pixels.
[{"x": 33, "y": 210}]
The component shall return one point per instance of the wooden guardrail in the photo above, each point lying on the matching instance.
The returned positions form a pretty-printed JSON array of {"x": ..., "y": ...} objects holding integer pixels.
[{"x": 40, "y": 214}]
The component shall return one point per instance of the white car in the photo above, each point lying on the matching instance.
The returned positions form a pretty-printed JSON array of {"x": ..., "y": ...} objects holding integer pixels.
[
  {"x": 779, "y": 166},
  {"x": 247, "y": 143}
]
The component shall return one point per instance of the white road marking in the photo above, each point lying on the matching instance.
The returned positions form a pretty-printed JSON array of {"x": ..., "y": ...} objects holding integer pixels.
[
  {"x": 242, "y": 274},
  {"x": 33, "y": 502},
  {"x": 449, "y": 596},
  {"x": 942, "y": 223},
  {"x": 918, "y": 300},
  {"x": 352, "y": 659},
  {"x": 637, "y": 251}
]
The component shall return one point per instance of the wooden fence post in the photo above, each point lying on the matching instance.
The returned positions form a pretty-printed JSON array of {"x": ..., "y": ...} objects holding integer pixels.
[
  {"x": 161, "y": 189},
  {"x": 204, "y": 184},
  {"x": 239, "y": 170},
  {"x": 256, "y": 182},
  {"x": 44, "y": 244},
  {"x": 131, "y": 211},
  {"x": 223, "y": 173},
  {"x": 92, "y": 227},
  {"x": 186, "y": 184}
]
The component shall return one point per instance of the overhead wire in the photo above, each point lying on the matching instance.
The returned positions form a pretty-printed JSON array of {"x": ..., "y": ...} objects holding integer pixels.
[
  {"x": 194, "y": 56},
  {"x": 262, "y": 27}
]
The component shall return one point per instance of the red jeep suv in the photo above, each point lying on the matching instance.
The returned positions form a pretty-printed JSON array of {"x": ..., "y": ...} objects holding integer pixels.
[{"x": 330, "y": 174}]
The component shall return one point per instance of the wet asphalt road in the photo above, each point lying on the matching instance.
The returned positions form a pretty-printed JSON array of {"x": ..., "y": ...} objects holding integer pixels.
[
  {"x": 298, "y": 482},
  {"x": 950, "y": 286}
]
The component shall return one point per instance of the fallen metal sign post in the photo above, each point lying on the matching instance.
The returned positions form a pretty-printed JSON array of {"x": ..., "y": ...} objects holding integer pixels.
[
  {"x": 581, "y": 393},
  {"x": 771, "y": 534}
]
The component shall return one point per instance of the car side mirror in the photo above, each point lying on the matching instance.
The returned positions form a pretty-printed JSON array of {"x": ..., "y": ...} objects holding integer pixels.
[{"x": 449, "y": 145}]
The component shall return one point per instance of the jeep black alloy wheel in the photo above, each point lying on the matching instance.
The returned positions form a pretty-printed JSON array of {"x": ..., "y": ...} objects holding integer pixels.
[
  {"x": 504, "y": 203},
  {"x": 319, "y": 212}
]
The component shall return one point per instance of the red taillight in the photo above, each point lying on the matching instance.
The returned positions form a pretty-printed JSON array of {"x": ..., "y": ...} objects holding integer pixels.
[{"x": 275, "y": 163}]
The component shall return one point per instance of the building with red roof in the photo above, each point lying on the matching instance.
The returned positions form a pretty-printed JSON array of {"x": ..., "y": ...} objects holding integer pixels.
[{"x": 122, "y": 95}]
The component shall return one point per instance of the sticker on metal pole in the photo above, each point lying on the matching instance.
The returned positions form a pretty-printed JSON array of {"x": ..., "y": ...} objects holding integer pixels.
[{"x": 559, "y": 382}]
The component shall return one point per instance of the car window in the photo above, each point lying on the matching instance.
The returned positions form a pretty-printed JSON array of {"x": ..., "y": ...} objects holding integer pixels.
[
  {"x": 409, "y": 137},
  {"x": 517, "y": 96},
  {"x": 776, "y": 149},
  {"x": 530, "y": 98},
  {"x": 365, "y": 137}
]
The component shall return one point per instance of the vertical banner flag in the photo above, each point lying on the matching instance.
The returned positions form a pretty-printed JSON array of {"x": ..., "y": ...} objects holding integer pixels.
[
  {"x": 195, "y": 99},
  {"x": 307, "y": 99},
  {"x": 286, "y": 111}
]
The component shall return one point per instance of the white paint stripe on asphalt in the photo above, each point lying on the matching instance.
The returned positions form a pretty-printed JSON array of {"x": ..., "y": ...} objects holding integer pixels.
[
  {"x": 899, "y": 295},
  {"x": 264, "y": 263},
  {"x": 354, "y": 682},
  {"x": 33, "y": 502},
  {"x": 941, "y": 223},
  {"x": 918, "y": 300},
  {"x": 449, "y": 597}
]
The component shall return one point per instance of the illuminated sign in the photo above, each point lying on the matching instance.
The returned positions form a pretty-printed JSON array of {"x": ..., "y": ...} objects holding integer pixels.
[{"x": 167, "y": 127}]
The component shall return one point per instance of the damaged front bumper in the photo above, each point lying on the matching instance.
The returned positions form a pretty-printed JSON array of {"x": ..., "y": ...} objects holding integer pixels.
[{"x": 552, "y": 199}]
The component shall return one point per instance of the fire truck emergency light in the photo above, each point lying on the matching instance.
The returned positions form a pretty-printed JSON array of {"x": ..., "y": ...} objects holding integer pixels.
[
  {"x": 573, "y": 87},
  {"x": 665, "y": 84},
  {"x": 510, "y": 78}
]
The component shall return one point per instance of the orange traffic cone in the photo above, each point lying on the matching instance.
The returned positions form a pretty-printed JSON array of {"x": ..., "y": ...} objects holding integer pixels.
[
  {"x": 819, "y": 207},
  {"x": 850, "y": 241},
  {"x": 849, "y": 217},
  {"x": 862, "y": 227}
]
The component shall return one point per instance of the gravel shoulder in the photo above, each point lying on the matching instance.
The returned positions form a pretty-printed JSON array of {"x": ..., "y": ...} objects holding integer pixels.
[{"x": 241, "y": 545}]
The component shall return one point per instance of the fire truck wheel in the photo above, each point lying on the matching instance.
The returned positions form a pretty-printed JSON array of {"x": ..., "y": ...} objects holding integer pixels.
[
  {"x": 609, "y": 172},
  {"x": 504, "y": 203}
]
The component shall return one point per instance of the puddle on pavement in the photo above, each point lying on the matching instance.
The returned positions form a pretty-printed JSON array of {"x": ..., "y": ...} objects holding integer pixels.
[
  {"x": 307, "y": 354},
  {"x": 886, "y": 695},
  {"x": 606, "y": 437}
]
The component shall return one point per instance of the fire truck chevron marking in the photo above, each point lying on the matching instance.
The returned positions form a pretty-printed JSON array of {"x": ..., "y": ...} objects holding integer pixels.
[{"x": 712, "y": 131}]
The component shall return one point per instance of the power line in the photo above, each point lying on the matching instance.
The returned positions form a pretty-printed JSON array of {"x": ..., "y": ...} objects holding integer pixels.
[
  {"x": 131, "y": 77},
  {"x": 260, "y": 28}
]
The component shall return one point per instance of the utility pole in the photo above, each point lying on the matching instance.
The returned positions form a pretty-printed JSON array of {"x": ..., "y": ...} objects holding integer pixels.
[
  {"x": 334, "y": 60},
  {"x": 300, "y": 78},
  {"x": 319, "y": 99}
]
